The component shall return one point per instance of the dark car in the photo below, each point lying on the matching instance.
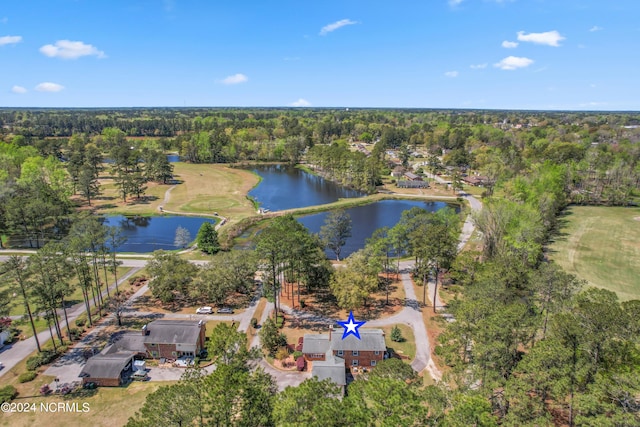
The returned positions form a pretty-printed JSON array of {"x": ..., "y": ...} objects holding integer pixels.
[{"x": 225, "y": 310}]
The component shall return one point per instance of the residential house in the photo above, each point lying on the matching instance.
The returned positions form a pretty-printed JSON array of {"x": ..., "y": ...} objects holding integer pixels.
[
  {"x": 366, "y": 351},
  {"x": 412, "y": 176},
  {"x": 108, "y": 370},
  {"x": 174, "y": 338}
]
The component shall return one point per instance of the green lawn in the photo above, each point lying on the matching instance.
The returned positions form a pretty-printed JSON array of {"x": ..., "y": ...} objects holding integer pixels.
[
  {"x": 406, "y": 347},
  {"x": 602, "y": 246}
]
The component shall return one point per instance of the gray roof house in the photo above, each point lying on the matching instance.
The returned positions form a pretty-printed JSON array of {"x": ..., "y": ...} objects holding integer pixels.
[
  {"x": 331, "y": 355},
  {"x": 107, "y": 369}
]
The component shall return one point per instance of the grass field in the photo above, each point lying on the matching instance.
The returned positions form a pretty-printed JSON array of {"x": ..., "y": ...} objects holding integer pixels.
[
  {"x": 602, "y": 246},
  {"x": 212, "y": 188},
  {"x": 203, "y": 188}
]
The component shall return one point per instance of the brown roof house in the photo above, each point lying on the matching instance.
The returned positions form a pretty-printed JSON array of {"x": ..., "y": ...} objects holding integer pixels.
[
  {"x": 108, "y": 370},
  {"x": 174, "y": 338},
  {"x": 332, "y": 355}
]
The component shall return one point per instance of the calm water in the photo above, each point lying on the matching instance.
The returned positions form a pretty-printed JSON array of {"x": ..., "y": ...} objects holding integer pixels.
[
  {"x": 285, "y": 187},
  {"x": 368, "y": 218},
  {"x": 147, "y": 234}
]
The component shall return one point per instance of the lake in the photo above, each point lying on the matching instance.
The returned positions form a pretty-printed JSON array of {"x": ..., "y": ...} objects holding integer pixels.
[
  {"x": 150, "y": 233},
  {"x": 285, "y": 187},
  {"x": 368, "y": 218}
]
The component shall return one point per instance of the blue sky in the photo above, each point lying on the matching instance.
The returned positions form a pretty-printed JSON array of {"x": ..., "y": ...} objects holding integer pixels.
[{"x": 504, "y": 54}]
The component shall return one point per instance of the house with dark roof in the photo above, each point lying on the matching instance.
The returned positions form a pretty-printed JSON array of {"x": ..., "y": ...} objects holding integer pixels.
[
  {"x": 412, "y": 176},
  {"x": 172, "y": 339},
  {"x": 108, "y": 370},
  {"x": 332, "y": 368}
]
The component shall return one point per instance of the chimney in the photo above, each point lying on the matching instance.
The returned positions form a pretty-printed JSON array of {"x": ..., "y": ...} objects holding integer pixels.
[
  {"x": 330, "y": 330},
  {"x": 144, "y": 330}
]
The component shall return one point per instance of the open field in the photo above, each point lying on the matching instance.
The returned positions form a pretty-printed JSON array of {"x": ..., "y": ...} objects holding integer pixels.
[
  {"x": 203, "y": 188},
  {"x": 108, "y": 406},
  {"x": 602, "y": 246},
  {"x": 210, "y": 188}
]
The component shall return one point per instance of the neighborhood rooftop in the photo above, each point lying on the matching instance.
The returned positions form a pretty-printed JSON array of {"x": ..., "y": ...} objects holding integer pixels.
[
  {"x": 172, "y": 331},
  {"x": 106, "y": 366},
  {"x": 370, "y": 340}
]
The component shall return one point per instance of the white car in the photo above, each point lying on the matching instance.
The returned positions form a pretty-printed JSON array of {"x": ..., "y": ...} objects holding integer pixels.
[
  {"x": 205, "y": 310},
  {"x": 184, "y": 361}
]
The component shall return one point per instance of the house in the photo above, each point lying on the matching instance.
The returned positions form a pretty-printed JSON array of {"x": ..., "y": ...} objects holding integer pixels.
[
  {"x": 412, "y": 176},
  {"x": 366, "y": 351},
  {"x": 397, "y": 172},
  {"x": 476, "y": 181},
  {"x": 332, "y": 368},
  {"x": 108, "y": 370},
  {"x": 172, "y": 339}
]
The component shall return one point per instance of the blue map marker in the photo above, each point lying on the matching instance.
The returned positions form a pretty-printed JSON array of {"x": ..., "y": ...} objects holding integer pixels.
[{"x": 351, "y": 327}]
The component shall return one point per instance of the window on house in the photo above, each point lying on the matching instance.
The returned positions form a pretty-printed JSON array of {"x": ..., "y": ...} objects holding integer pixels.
[
  {"x": 152, "y": 345},
  {"x": 339, "y": 353},
  {"x": 173, "y": 353},
  {"x": 373, "y": 363},
  {"x": 377, "y": 352},
  {"x": 354, "y": 362},
  {"x": 355, "y": 352},
  {"x": 154, "y": 353}
]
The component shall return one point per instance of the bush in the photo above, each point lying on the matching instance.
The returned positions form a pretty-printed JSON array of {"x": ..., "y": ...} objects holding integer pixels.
[
  {"x": 280, "y": 322},
  {"x": 81, "y": 322},
  {"x": 25, "y": 377},
  {"x": 396, "y": 335},
  {"x": 254, "y": 322},
  {"x": 74, "y": 334},
  {"x": 8, "y": 393},
  {"x": 303, "y": 304},
  {"x": 43, "y": 358},
  {"x": 297, "y": 354},
  {"x": 282, "y": 353}
]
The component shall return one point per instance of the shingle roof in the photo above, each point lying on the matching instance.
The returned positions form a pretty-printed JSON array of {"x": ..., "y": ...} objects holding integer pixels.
[
  {"x": 315, "y": 343},
  {"x": 332, "y": 368},
  {"x": 173, "y": 332},
  {"x": 106, "y": 366},
  {"x": 370, "y": 340},
  {"x": 133, "y": 341}
]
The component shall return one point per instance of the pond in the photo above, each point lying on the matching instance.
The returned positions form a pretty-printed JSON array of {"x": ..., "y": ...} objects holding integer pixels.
[
  {"x": 285, "y": 187},
  {"x": 150, "y": 233},
  {"x": 368, "y": 218}
]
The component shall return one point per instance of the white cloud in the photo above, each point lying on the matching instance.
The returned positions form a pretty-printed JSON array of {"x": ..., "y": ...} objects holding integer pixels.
[
  {"x": 10, "y": 40},
  {"x": 451, "y": 74},
  {"x": 478, "y": 66},
  {"x": 49, "y": 87},
  {"x": 234, "y": 79},
  {"x": 301, "y": 103},
  {"x": 338, "y": 24},
  {"x": 67, "y": 49},
  {"x": 513, "y": 63},
  {"x": 18, "y": 89},
  {"x": 509, "y": 45},
  {"x": 595, "y": 28},
  {"x": 549, "y": 38}
]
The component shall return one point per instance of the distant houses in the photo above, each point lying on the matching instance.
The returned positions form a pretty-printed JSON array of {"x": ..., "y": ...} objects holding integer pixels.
[{"x": 475, "y": 180}]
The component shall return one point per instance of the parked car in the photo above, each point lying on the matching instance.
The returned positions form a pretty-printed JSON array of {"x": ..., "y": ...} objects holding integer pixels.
[
  {"x": 184, "y": 361},
  {"x": 225, "y": 310},
  {"x": 204, "y": 310}
]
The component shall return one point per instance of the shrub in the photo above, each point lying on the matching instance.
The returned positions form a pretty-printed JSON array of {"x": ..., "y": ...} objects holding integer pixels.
[
  {"x": 282, "y": 353},
  {"x": 74, "y": 334},
  {"x": 8, "y": 393},
  {"x": 43, "y": 358},
  {"x": 296, "y": 354},
  {"x": 280, "y": 322},
  {"x": 396, "y": 335},
  {"x": 254, "y": 322},
  {"x": 25, "y": 377},
  {"x": 81, "y": 322},
  {"x": 303, "y": 304}
]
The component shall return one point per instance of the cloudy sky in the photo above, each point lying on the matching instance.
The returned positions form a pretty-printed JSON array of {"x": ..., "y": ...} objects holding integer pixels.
[{"x": 506, "y": 54}]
